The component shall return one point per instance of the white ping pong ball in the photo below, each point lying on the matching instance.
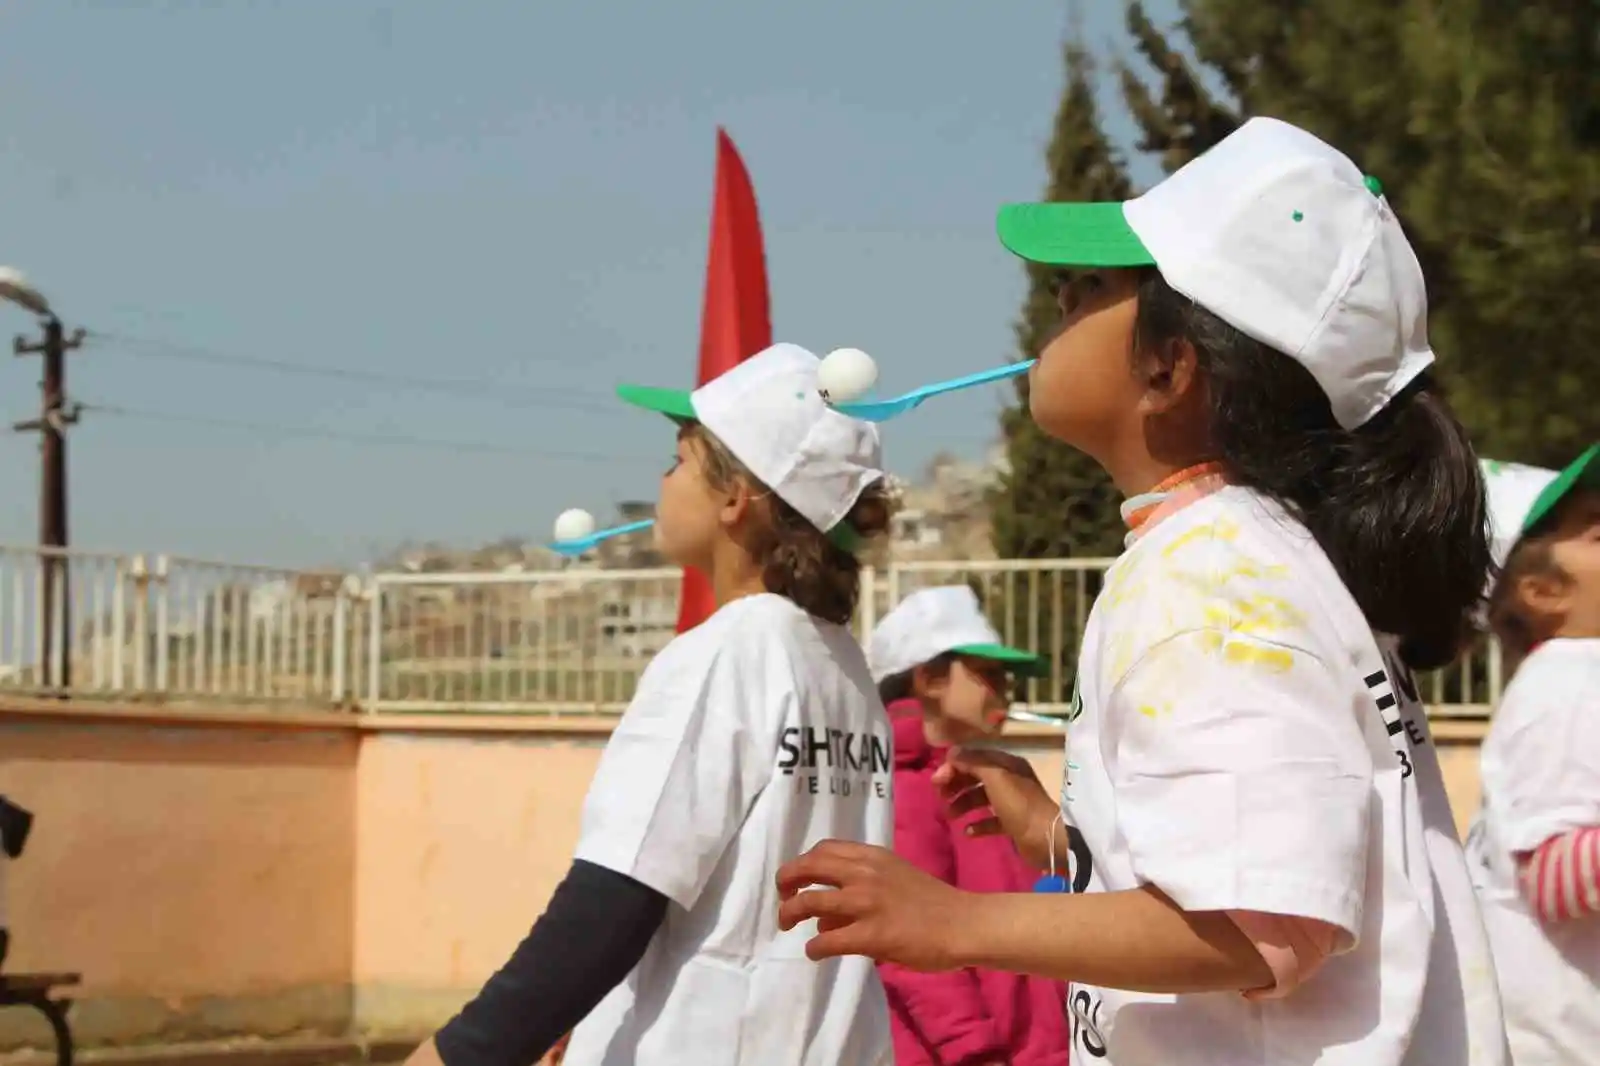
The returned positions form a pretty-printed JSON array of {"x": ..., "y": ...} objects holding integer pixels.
[
  {"x": 846, "y": 375},
  {"x": 574, "y": 524}
]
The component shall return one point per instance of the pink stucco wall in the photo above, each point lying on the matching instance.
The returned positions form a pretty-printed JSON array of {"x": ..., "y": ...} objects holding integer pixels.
[
  {"x": 196, "y": 876},
  {"x": 462, "y": 839},
  {"x": 266, "y": 875}
]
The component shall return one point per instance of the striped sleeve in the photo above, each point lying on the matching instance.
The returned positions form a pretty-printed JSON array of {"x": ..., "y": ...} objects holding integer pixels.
[{"x": 1560, "y": 878}]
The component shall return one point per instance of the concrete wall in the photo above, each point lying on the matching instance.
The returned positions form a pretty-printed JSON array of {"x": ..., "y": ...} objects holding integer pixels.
[
  {"x": 198, "y": 876},
  {"x": 270, "y": 874}
]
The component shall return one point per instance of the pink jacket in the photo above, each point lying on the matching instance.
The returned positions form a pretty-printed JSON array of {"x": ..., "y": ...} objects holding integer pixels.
[{"x": 968, "y": 1017}]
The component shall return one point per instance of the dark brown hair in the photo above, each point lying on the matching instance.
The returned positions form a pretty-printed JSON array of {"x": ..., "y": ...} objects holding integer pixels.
[
  {"x": 1397, "y": 504},
  {"x": 798, "y": 560},
  {"x": 902, "y": 686}
]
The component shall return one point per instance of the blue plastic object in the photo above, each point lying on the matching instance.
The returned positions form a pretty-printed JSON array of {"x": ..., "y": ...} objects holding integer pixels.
[
  {"x": 1052, "y": 883},
  {"x": 883, "y": 410},
  {"x": 579, "y": 545}
]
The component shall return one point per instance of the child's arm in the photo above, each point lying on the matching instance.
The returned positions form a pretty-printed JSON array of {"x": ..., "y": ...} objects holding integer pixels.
[
  {"x": 673, "y": 785},
  {"x": 1137, "y": 940},
  {"x": 594, "y": 932},
  {"x": 879, "y": 905},
  {"x": 945, "y": 1010},
  {"x": 1561, "y": 878},
  {"x": 1243, "y": 783}
]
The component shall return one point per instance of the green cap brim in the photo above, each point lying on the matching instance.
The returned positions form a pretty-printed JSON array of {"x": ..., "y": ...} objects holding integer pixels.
[
  {"x": 1072, "y": 235},
  {"x": 674, "y": 403},
  {"x": 1023, "y": 663},
  {"x": 1582, "y": 472}
]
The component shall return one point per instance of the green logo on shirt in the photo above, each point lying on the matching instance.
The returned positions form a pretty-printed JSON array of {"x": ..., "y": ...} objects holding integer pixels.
[{"x": 1075, "y": 708}]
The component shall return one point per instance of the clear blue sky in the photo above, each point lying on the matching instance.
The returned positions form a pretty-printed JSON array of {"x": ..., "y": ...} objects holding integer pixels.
[{"x": 503, "y": 192}]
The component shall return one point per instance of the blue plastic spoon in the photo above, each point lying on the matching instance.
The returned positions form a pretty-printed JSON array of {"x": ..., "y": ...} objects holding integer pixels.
[
  {"x": 1035, "y": 718},
  {"x": 883, "y": 410},
  {"x": 579, "y": 545}
]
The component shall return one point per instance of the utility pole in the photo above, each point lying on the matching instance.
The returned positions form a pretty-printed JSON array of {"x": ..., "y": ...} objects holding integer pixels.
[{"x": 55, "y": 415}]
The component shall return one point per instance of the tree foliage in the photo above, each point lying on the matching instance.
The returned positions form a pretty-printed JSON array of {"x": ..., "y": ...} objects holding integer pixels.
[
  {"x": 1482, "y": 121},
  {"x": 1053, "y": 501}
]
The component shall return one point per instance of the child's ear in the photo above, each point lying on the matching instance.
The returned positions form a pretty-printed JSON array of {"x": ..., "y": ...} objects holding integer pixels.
[
  {"x": 737, "y": 502},
  {"x": 1171, "y": 374},
  {"x": 1547, "y": 595}
]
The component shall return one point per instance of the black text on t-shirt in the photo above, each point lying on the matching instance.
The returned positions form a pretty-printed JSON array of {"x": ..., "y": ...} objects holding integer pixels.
[{"x": 835, "y": 762}]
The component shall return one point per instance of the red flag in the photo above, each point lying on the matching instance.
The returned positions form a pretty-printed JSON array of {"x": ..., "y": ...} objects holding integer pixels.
[{"x": 736, "y": 322}]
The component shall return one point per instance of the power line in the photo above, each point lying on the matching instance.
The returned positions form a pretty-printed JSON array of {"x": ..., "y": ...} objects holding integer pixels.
[
  {"x": 512, "y": 393},
  {"x": 386, "y": 439}
]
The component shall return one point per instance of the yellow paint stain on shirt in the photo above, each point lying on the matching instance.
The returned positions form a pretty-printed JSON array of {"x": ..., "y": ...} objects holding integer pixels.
[
  {"x": 1275, "y": 660},
  {"x": 1245, "y": 653},
  {"x": 1223, "y": 529},
  {"x": 1254, "y": 615}
]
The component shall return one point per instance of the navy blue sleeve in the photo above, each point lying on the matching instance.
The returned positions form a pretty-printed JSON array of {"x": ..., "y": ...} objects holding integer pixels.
[
  {"x": 594, "y": 932},
  {"x": 14, "y": 825}
]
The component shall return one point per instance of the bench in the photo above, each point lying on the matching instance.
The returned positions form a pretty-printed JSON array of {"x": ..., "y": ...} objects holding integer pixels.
[{"x": 37, "y": 990}]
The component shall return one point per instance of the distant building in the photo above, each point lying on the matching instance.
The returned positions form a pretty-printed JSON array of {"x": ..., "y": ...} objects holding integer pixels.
[{"x": 945, "y": 515}]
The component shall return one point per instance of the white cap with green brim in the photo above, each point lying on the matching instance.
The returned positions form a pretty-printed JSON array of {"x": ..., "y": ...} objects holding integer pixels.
[
  {"x": 1280, "y": 236},
  {"x": 768, "y": 411},
  {"x": 1511, "y": 489},
  {"x": 941, "y": 621}
]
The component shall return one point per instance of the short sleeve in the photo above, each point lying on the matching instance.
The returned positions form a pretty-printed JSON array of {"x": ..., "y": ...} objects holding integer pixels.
[
  {"x": 1242, "y": 779},
  {"x": 682, "y": 769},
  {"x": 1550, "y": 752}
]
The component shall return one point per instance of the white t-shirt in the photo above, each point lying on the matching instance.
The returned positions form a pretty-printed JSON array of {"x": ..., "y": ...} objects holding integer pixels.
[
  {"x": 751, "y": 737},
  {"x": 1246, "y": 743},
  {"x": 1541, "y": 778}
]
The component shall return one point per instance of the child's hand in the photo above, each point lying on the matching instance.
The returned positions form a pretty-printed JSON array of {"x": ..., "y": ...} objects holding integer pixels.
[
  {"x": 869, "y": 901},
  {"x": 1005, "y": 787}
]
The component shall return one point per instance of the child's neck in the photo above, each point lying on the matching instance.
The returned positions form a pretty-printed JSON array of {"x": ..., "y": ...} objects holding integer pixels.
[
  {"x": 734, "y": 575},
  {"x": 937, "y": 730}
]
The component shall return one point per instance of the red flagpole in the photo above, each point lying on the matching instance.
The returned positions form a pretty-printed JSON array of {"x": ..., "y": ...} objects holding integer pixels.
[{"x": 736, "y": 321}]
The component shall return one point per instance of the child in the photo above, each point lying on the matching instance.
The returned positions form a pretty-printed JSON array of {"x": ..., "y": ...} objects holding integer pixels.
[
  {"x": 1537, "y": 840},
  {"x": 946, "y": 678},
  {"x": 1273, "y": 870},
  {"x": 751, "y": 737}
]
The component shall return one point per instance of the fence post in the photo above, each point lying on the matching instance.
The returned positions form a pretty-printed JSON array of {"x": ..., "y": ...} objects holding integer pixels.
[
  {"x": 374, "y": 642},
  {"x": 119, "y": 625},
  {"x": 341, "y": 629},
  {"x": 868, "y": 601},
  {"x": 163, "y": 638},
  {"x": 140, "y": 577}
]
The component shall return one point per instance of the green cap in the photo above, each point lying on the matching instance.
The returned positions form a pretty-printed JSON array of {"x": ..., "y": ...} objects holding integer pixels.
[
  {"x": 1019, "y": 662},
  {"x": 1582, "y": 472},
  {"x": 1072, "y": 235},
  {"x": 674, "y": 403}
]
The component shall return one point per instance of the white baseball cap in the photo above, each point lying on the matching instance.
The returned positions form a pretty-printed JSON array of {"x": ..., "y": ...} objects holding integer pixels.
[
  {"x": 939, "y": 621},
  {"x": 768, "y": 411},
  {"x": 1512, "y": 489},
  {"x": 1522, "y": 497},
  {"x": 1279, "y": 235}
]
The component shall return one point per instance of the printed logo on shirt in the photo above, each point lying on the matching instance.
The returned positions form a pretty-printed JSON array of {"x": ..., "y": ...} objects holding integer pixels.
[
  {"x": 835, "y": 762},
  {"x": 1393, "y": 707},
  {"x": 1086, "y": 1034},
  {"x": 1075, "y": 708}
]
